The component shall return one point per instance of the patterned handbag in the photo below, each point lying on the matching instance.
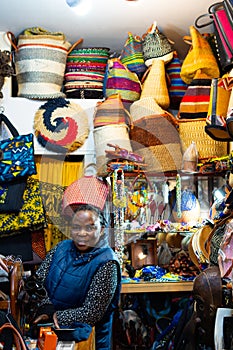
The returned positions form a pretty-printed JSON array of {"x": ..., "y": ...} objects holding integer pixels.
[{"x": 16, "y": 154}]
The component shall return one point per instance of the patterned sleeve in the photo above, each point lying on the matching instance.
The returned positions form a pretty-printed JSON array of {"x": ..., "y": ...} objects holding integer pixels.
[{"x": 98, "y": 298}]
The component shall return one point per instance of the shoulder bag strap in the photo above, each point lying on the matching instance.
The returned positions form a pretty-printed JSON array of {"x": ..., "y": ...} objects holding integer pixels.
[{"x": 10, "y": 126}]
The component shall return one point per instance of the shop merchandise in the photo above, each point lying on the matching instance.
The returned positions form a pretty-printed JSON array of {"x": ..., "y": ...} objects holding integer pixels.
[
  {"x": 156, "y": 46},
  {"x": 132, "y": 55},
  {"x": 16, "y": 164},
  {"x": 6, "y": 70},
  {"x": 85, "y": 71},
  {"x": 176, "y": 86},
  {"x": 119, "y": 79},
  {"x": 40, "y": 62},
  {"x": 217, "y": 112},
  {"x": 61, "y": 125},
  {"x": 154, "y": 84},
  {"x": 199, "y": 57}
]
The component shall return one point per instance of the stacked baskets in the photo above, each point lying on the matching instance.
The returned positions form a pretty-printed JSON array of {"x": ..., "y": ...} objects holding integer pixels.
[{"x": 85, "y": 70}]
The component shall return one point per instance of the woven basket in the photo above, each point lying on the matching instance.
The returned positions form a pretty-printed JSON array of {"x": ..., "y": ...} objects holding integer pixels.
[
  {"x": 162, "y": 158},
  {"x": 194, "y": 130},
  {"x": 156, "y": 138},
  {"x": 40, "y": 61},
  {"x": 113, "y": 134},
  {"x": 155, "y": 84}
]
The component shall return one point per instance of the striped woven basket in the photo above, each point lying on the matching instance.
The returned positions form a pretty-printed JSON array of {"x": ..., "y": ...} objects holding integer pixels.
[
  {"x": 194, "y": 130},
  {"x": 40, "y": 62}
]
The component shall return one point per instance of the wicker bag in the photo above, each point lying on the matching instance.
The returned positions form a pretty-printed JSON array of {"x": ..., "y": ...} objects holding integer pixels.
[
  {"x": 120, "y": 80},
  {"x": 40, "y": 61},
  {"x": 132, "y": 56},
  {"x": 194, "y": 130},
  {"x": 154, "y": 84},
  {"x": 155, "y": 136}
]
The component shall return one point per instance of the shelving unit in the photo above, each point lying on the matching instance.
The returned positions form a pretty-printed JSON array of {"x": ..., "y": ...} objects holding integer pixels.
[{"x": 156, "y": 287}]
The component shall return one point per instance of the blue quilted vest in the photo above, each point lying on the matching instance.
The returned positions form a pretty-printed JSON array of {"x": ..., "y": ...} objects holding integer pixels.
[{"x": 67, "y": 288}]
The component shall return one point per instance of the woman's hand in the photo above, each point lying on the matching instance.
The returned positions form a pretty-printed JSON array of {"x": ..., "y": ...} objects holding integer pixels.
[
  {"x": 42, "y": 318},
  {"x": 55, "y": 320}
]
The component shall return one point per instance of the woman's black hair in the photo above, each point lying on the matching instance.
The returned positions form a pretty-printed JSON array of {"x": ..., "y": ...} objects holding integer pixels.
[{"x": 90, "y": 207}]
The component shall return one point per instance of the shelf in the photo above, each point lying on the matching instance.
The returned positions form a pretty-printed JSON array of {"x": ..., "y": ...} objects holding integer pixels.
[{"x": 151, "y": 287}]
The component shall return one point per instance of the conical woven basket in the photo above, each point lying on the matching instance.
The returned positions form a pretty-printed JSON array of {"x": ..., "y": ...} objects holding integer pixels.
[{"x": 155, "y": 84}]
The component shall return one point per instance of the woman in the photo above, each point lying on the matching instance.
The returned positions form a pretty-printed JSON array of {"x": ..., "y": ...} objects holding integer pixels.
[{"x": 82, "y": 277}]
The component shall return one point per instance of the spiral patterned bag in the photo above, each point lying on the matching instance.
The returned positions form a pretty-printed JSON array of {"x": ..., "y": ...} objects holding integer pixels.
[{"x": 61, "y": 126}]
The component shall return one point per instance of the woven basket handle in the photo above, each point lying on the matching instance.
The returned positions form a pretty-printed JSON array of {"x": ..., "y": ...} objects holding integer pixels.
[
  {"x": 11, "y": 37},
  {"x": 78, "y": 42}
]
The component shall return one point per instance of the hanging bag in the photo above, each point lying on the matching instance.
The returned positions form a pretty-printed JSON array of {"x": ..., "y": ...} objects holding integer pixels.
[
  {"x": 217, "y": 112},
  {"x": 120, "y": 80},
  {"x": 132, "y": 55},
  {"x": 16, "y": 164},
  {"x": 32, "y": 214}
]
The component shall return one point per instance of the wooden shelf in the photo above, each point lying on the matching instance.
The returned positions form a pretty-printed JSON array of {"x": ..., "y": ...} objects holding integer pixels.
[{"x": 150, "y": 287}]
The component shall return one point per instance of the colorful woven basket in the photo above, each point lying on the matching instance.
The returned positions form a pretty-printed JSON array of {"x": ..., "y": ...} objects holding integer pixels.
[
  {"x": 40, "y": 61},
  {"x": 85, "y": 71},
  {"x": 86, "y": 190},
  {"x": 156, "y": 138},
  {"x": 61, "y": 125},
  {"x": 132, "y": 56},
  {"x": 194, "y": 130},
  {"x": 120, "y": 80},
  {"x": 111, "y": 111}
]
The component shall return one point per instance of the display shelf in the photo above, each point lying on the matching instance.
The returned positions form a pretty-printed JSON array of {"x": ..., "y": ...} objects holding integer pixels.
[{"x": 157, "y": 287}]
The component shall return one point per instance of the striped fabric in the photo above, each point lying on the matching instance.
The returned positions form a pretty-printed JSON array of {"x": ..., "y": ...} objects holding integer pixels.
[
  {"x": 40, "y": 62},
  {"x": 195, "y": 102},
  {"x": 176, "y": 86}
]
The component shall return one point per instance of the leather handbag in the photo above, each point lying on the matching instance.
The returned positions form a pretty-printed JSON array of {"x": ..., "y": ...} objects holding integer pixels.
[{"x": 220, "y": 16}]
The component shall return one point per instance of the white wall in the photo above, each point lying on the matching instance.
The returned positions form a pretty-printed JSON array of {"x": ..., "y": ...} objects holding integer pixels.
[{"x": 107, "y": 22}]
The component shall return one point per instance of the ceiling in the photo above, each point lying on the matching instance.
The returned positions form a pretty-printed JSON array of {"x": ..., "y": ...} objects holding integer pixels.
[{"x": 106, "y": 22}]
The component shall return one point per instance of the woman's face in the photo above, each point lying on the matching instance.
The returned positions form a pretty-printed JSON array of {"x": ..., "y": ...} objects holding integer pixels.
[{"x": 86, "y": 229}]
